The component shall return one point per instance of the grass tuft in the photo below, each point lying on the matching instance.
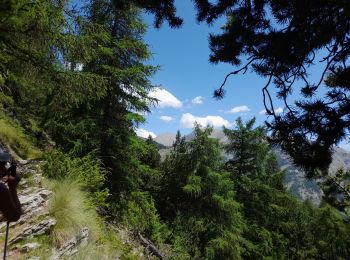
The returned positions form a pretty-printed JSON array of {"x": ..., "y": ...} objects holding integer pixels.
[
  {"x": 74, "y": 211},
  {"x": 71, "y": 209}
]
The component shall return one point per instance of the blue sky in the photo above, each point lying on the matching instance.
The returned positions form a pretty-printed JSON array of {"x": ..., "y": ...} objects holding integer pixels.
[
  {"x": 189, "y": 80},
  {"x": 187, "y": 75}
]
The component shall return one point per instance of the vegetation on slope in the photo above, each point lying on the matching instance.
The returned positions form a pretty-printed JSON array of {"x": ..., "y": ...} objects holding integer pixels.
[
  {"x": 74, "y": 208},
  {"x": 16, "y": 139}
]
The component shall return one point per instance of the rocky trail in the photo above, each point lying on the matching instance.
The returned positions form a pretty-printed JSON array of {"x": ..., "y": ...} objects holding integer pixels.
[{"x": 35, "y": 220}]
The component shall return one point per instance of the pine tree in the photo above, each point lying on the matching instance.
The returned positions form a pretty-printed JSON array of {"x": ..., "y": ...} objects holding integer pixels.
[
  {"x": 281, "y": 41},
  {"x": 248, "y": 148},
  {"x": 331, "y": 234},
  {"x": 120, "y": 60},
  {"x": 336, "y": 190},
  {"x": 274, "y": 219},
  {"x": 103, "y": 122},
  {"x": 39, "y": 45}
]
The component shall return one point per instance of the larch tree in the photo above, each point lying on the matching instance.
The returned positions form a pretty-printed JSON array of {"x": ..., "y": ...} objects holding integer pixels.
[
  {"x": 248, "y": 148},
  {"x": 200, "y": 199}
]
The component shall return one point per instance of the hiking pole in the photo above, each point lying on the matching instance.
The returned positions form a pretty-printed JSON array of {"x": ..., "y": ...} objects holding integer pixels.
[
  {"x": 6, "y": 237},
  {"x": 13, "y": 169}
]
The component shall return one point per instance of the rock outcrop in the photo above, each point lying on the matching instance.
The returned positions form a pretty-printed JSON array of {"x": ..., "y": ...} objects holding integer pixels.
[
  {"x": 35, "y": 220},
  {"x": 43, "y": 227},
  {"x": 71, "y": 247}
]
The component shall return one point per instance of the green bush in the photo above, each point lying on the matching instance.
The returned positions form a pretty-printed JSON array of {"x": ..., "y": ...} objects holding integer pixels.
[{"x": 140, "y": 214}]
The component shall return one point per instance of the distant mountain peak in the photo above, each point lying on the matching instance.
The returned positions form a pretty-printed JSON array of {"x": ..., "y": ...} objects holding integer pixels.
[{"x": 166, "y": 139}]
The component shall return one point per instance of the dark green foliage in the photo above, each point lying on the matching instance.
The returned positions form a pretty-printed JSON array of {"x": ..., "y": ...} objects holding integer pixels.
[
  {"x": 251, "y": 156},
  {"x": 102, "y": 122},
  {"x": 152, "y": 156},
  {"x": 331, "y": 234},
  {"x": 120, "y": 60},
  {"x": 336, "y": 190},
  {"x": 281, "y": 40},
  {"x": 139, "y": 213},
  {"x": 82, "y": 77},
  {"x": 146, "y": 163},
  {"x": 36, "y": 45},
  {"x": 278, "y": 225},
  {"x": 163, "y": 10},
  {"x": 26, "y": 31}
]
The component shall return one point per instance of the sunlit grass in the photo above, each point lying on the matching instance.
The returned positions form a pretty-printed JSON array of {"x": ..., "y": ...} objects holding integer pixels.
[
  {"x": 70, "y": 207},
  {"x": 13, "y": 135},
  {"x": 73, "y": 211}
]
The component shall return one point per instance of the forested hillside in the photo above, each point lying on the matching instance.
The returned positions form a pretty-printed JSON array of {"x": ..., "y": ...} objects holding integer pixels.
[
  {"x": 75, "y": 78},
  {"x": 294, "y": 177}
]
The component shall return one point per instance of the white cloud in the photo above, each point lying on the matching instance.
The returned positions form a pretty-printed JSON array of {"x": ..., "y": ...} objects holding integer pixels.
[
  {"x": 278, "y": 110},
  {"x": 238, "y": 109},
  {"x": 188, "y": 120},
  {"x": 167, "y": 118},
  {"x": 144, "y": 133},
  {"x": 165, "y": 98},
  {"x": 197, "y": 100}
]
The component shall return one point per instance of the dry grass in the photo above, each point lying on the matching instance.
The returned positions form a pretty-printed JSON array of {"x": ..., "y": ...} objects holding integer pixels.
[{"x": 73, "y": 211}]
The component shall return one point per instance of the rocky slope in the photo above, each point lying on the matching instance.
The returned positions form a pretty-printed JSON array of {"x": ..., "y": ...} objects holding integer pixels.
[{"x": 35, "y": 220}]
